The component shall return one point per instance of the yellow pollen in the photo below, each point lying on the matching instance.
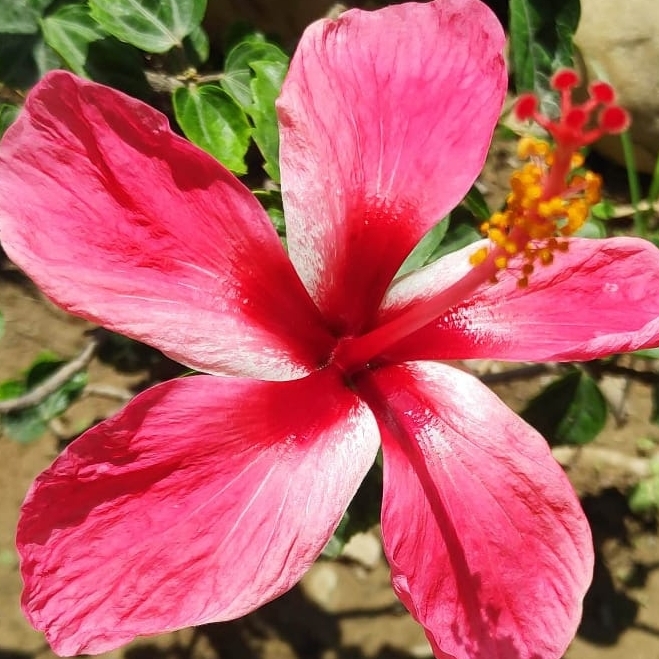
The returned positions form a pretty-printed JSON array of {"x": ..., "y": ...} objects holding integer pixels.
[
  {"x": 479, "y": 256},
  {"x": 539, "y": 210},
  {"x": 577, "y": 160}
]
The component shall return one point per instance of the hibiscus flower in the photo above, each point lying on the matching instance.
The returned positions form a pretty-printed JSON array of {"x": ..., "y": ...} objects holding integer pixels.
[{"x": 207, "y": 496}]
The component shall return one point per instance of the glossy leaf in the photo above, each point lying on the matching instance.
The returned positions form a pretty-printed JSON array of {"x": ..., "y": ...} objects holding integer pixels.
[
  {"x": 603, "y": 210},
  {"x": 26, "y": 425},
  {"x": 427, "y": 249},
  {"x": 70, "y": 31},
  {"x": 476, "y": 204},
  {"x": 593, "y": 228},
  {"x": 647, "y": 353},
  {"x": 197, "y": 45},
  {"x": 237, "y": 79},
  {"x": 211, "y": 119},
  {"x": 266, "y": 86},
  {"x": 154, "y": 26},
  {"x": 21, "y": 16},
  {"x": 644, "y": 498},
  {"x": 571, "y": 410},
  {"x": 89, "y": 51},
  {"x": 24, "y": 59},
  {"x": 458, "y": 235},
  {"x": 272, "y": 202},
  {"x": 541, "y": 42},
  {"x": 7, "y": 115}
]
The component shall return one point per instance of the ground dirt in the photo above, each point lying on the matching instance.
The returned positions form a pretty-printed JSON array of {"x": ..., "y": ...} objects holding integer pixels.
[{"x": 342, "y": 610}]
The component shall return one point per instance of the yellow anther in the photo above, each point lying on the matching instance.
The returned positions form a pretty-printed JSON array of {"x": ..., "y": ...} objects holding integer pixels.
[
  {"x": 497, "y": 236},
  {"x": 541, "y": 207},
  {"x": 499, "y": 220},
  {"x": 546, "y": 257},
  {"x": 551, "y": 208},
  {"x": 577, "y": 160},
  {"x": 525, "y": 148},
  {"x": 478, "y": 256},
  {"x": 577, "y": 213},
  {"x": 529, "y": 147},
  {"x": 593, "y": 191}
]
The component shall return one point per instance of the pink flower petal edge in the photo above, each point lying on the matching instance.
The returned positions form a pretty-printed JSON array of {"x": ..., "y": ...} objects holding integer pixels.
[
  {"x": 376, "y": 110},
  {"x": 488, "y": 546},
  {"x": 590, "y": 302},
  {"x": 203, "y": 499},
  {"x": 128, "y": 225}
]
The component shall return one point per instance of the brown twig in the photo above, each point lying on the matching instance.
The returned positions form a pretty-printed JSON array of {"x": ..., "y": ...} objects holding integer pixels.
[
  {"x": 51, "y": 384},
  {"x": 108, "y": 391}
]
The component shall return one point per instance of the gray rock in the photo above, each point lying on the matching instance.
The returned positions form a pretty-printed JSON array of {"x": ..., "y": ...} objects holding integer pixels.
[{"x": 619, "y": 42}]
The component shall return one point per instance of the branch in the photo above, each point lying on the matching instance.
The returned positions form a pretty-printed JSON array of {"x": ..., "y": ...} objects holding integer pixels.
[
  {"x": 108, "y": 391},
  {"x": 52, "y": 383}
]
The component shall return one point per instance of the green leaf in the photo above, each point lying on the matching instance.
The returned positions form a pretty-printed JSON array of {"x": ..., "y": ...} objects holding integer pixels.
[
  {"x": 91, "y": 52},
  {"x": 266, "y": 86},
  {"x": 30, "y": 423},
  {"x": 154, "y": 26},
  {"x": 647, "y": 353},
  {"x": 427, "y": 247},
  {"x": 8, "y": 114},
  {"x": 458, "y": 235},
  {"x": 24, "y": 59},
  {"x": 272, "y": 202},
  {"x": 276, "y": 216},
  {"x": 11, "y": 389},
  {"x": 237, "y": 77},
  {"x": 69, "y": 32},
  {"x": 197, "y": 46},
  {"x": 476, "y": 204},
  {"x": 644, "y": 498},
  {"x": 592, "y": 229},
  {"x": 603, "y": 210},
  {"x": 21, "y": 16},
  {"x": 541, "y": 34},
  {"x": 211, "y": 119},
  {"x": 571, "y": 410},
  {"x": 24, "y": 426}
]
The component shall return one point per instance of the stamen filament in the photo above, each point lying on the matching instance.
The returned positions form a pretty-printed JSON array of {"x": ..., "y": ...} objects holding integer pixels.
[
  {"x": 548, "y": 201},
  {"x": 353, "y": 353}
]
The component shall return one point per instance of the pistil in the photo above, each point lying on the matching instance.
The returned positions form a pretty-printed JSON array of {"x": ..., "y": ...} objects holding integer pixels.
[{"x": 550, "y": 200}]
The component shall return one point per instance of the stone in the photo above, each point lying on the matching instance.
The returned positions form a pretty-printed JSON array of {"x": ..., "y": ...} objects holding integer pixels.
[
  {"x": 320, "y": 584},
  {"x": 364, "y": 549},
  {"x": 619, "y": 43}
]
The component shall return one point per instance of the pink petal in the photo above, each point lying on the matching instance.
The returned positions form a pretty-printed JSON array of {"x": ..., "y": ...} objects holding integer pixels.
[
  {"x": 124, "y": 223},
  {"x": 385, "y": 121},
  {"x": 488, "y": 546},
  {"x": 597, "y": 299},
  {"x": 203, "y": 499}
]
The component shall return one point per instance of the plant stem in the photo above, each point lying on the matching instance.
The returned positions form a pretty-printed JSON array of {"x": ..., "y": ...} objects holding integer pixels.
[{"x": 640, "y": 228}]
